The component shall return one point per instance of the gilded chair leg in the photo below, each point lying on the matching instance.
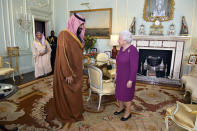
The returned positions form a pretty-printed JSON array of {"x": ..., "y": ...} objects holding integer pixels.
[
  {"x": 166, "y": 121},
  {"x": 100, "y": 97},
  {"x": 185, "y": 94},
  {"x": 90, "y": 92},
  {"x": 182, "y": 85},
  {"x": 13, "y": 77}
]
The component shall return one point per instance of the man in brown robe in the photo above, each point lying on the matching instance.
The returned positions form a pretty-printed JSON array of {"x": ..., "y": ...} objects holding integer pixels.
[{"x": 68, "y": 73}]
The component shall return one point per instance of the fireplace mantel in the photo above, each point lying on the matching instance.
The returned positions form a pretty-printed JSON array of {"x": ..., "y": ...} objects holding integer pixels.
[
  {"x": 164, "y": 37},
  {"x": 173, "y": 43}
]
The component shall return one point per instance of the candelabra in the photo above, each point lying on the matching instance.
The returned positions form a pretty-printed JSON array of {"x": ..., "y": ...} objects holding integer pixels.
[{"x": 24, "y": 22}]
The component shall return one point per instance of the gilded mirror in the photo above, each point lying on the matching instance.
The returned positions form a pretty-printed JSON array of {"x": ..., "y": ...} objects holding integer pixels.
[{"x": 162, "y": 9}]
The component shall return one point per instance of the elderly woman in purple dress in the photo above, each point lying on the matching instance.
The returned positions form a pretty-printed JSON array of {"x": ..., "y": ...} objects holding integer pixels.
[{"x": 127, "y": 66}]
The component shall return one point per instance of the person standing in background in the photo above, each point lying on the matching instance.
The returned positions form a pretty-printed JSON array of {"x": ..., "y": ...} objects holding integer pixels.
[
  {"x": 53, "y": 43},
  {"x": 41, "y": 56}
]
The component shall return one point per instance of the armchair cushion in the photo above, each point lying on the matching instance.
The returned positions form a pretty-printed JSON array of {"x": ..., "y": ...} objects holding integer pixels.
[
  {"x": 107, "y": 73},
  {"x": 194, "y": 71},
  {"x": 192, "y": 74},
  {"x": 4, "y": 71},
  {"x": 185, "y": 114},
  {"x": 191, "y": 83},
  {"x": 185, "y": 78},
  {"x": 108, "y": 88},
  {"x": 101, "y": 59},
  {"x": 112, "y": 73},
  {"x": 185, "y": 118},
  {"x": 194, "y": 94}
]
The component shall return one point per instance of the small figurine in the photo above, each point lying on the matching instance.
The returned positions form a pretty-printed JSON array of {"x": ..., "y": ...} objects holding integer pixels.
[
  {"x": 171, "y": 30},
  {"x": 141, "y": 30},
  {"x": 184, "y": 28},
  {"x": 132, "y": 27}
]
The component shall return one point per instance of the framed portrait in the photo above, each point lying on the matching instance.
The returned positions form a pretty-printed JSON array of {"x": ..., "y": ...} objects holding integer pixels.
[
  {"x": 192, "y": 59},
  {"x": 98, "y": 22},
  {"x": 108, "y": 53},
  {"x": 162, "y": 9},
  {"x": 93, "y": 50}
]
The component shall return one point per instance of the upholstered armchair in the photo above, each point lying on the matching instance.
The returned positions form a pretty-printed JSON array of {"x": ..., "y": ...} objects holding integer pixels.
[
  {"x": 101, "y": 60},
  {"x": 5, "y": 70},
  {"x": 184, "y": 115},
  {"x": 189, "y": 81},
  {"x": 98, "y": 85}
]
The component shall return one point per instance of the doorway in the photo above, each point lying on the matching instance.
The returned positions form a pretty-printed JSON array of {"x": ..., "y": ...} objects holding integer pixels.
[{"x": 40, "y": 27}]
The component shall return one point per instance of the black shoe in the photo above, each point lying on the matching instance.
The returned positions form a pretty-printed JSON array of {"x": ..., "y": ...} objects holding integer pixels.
[
  {"x": 125, "y": 119},
  {"x": 117, "y": 113}
]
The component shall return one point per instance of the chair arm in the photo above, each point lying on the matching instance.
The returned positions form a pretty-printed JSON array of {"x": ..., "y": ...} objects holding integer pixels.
[
  {"x": 111, "y": 62},
  {"x": 194, "y": 112},
  {"x": 185, "y": 107},
  {"x": 107, "y": 81},
  {"x": 7, "y": 64},
  {"x": 101, "y": 61}
]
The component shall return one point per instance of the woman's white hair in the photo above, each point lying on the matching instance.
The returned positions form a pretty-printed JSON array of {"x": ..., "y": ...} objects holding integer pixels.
[{"x": 126, "y": 35}]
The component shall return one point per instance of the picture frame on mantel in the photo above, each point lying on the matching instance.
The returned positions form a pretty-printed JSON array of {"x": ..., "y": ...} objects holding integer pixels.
[
  {"x": 108, "y": 53},
  {"x": 98, "y": 22},
  {"x": 192, "y": 59}
]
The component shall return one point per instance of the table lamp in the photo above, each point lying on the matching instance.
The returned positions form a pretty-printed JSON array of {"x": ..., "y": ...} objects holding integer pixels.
[{"x": 114, "y": 43}]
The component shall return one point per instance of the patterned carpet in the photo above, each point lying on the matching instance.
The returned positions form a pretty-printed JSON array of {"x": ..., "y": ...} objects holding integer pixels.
[{"x": 26, "y": 109}]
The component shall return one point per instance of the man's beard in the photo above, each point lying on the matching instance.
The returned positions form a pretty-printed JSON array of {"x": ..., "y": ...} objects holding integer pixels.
[{"x": 79, "y": 31}]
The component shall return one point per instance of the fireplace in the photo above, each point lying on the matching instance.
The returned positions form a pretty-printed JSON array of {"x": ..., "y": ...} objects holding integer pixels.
[
  {"x": 160, "y": 58},
  {"x": 155, "y": 63}
]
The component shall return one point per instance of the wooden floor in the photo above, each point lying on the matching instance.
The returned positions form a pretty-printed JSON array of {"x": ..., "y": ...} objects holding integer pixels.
[{"x": 27, "y": 77}]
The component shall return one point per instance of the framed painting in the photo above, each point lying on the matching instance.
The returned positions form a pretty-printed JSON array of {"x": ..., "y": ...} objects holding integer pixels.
[
  {"x": 162, "y": 9},
  {"x": 192, "y": 59},
  {"x": 98, "y": 22}
]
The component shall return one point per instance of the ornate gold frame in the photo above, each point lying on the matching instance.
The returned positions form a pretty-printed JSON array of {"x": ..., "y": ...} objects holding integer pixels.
[
  {"x": 190, "y": 57},
  {"x": 162, "y": 18},
  {"x": 93, "y": 10}
]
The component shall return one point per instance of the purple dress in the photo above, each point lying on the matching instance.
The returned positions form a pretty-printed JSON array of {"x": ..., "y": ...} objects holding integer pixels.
[{"x": 127, "y": 66}]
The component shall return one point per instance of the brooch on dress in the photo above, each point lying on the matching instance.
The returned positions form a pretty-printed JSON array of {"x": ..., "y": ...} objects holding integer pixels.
[{"x": 128, "y": 50}]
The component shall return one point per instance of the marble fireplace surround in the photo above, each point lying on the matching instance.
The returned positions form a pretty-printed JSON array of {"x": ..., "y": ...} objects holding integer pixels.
[{"x": 173, "y": 43}]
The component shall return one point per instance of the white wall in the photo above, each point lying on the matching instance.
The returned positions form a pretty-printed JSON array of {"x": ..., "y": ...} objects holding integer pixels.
[
  {"x": 123, "y": 13},
  {"x": 12, "y": 35},
  {"x": 60, "y": 12},
  {"x": 194, "y": 27},
  {"x": 56, "y": 13}
]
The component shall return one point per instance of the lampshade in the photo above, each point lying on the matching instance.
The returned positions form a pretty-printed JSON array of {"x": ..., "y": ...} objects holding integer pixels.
[{"x": 114, "y": 40}]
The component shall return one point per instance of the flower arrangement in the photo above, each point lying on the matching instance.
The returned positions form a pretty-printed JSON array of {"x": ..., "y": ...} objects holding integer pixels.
[
  {"x": 89, "y": 42},
  {"x": 92, "y": 55}
]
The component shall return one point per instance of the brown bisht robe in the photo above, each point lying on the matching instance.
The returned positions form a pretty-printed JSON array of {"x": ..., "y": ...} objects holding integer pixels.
[{"x": 68, "y": 100}]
